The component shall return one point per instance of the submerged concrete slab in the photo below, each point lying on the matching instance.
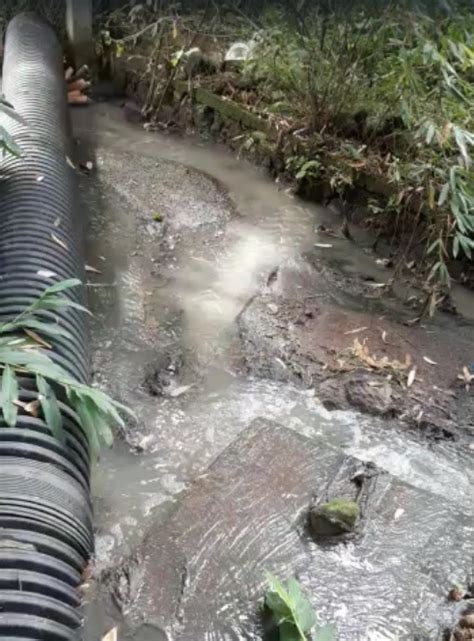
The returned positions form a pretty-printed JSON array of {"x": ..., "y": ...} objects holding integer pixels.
[{"x": 200, "y": 574}]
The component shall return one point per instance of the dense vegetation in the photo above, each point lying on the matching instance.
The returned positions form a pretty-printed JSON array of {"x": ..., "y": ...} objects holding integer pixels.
[
  {"x": 397, "y": 90},
  {"x": 366, "y": 88}
]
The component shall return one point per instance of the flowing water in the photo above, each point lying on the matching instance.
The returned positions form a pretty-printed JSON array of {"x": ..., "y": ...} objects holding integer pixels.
[{"x": 184, "y": 235}]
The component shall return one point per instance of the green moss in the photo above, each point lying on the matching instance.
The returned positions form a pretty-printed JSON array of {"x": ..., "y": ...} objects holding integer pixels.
[{"x": 341, "y": 510}]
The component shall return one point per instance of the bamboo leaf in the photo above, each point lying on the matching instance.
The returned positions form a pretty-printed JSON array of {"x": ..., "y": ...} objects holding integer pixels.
[
  {"x": 456, "y": 246},
  {"x": 86, "y": 416},
  {"x": 444, "y": 194},
  {"x": 57, "y": 303},
  {"x": 8, "y": 109},
  {"x": 430, "y": 134},
  {"x": 50, "y": 407},
  {"x": 50, "y": 329},
  {"x": 9, "y": 395},
  {"x": 61, "y": 286},
  {"x": 8, "y": 143},
  {"x": 103, "y": 429}
]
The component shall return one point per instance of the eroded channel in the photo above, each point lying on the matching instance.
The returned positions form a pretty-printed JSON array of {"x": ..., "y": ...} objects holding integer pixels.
[{"x": 182, "y": 238}]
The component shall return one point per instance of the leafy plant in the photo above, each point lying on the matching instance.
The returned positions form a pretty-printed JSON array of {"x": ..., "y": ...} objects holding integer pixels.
[
  {"x": 7, "y": 143},
  {"x": 382, "y": 90},
  {"x": 294, "y": 614},
  {"x": 24, "y": 353}
]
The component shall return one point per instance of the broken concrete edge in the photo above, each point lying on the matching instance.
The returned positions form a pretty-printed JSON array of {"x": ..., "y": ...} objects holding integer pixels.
[{"x": 369, "y": 182}]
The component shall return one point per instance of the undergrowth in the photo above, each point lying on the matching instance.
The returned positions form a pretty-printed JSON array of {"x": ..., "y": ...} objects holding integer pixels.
[
  {"x": 371, "y": 89},
  {"x": 399, "y": 86}
]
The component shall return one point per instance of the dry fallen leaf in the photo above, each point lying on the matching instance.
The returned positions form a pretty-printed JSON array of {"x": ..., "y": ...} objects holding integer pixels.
[
  {"x": 356, "y": 331},
  {"x": 112, "y": 635},
  {"x": 429, "y": 361},
  {"x": 30, "y": 408},
  {"x": 360, "y": 351},
  {"x": 411, "y": 377},
  {"x": 92, "y": 270},
  {"x": 37, "y": 339},
  {"x": 60, "y": 242},
  {"x": 384, "y": 336},
  {"x": 70, "y": 163}
]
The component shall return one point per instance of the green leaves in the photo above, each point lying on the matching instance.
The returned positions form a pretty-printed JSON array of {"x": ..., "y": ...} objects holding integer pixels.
[
  {"x": 50, "y": 300},
  {"x": 8, "y": 109},
  {"x": 7, "y": 143},
  {"x": 96, "y": 412},
  {"x": 294, "y": 614},
  {"x": 50, "y": 407},
  {"x": 9, "y": 395}
]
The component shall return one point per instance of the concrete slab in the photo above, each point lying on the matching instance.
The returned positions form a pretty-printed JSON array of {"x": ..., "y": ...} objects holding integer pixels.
[{"x": 200, "y": 574}]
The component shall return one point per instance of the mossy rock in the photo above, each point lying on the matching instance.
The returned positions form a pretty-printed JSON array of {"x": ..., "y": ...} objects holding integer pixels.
[{"x": 336, "y": 517}]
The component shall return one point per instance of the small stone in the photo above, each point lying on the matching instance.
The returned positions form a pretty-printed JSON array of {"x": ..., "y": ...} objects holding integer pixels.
[
  {"x": 463, "y": 634},
  {"x": 467, "y": 621},
  {"x": 336, "y": 517},
  {"x": 370, "y": 398},
  {"x": 457, "y": 593}
]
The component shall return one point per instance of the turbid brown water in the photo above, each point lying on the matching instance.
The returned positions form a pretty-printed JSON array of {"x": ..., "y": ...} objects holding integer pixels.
[{"x": 186, "y": 237}]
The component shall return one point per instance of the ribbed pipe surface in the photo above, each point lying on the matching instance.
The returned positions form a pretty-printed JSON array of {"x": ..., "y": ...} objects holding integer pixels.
[{"x": 45, "y": 512}]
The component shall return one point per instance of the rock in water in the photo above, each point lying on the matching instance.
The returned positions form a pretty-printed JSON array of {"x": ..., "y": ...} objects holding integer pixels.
[
  {"x": 372, "y": 397},
  {"x": 334, "y": 518}
]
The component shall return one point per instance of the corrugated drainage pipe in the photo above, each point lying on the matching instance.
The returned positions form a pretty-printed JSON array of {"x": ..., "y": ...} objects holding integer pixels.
[{"x": 46, "y": 534}]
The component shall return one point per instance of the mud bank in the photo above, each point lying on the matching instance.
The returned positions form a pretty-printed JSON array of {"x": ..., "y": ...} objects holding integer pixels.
[{"x": 216, "y": 305}]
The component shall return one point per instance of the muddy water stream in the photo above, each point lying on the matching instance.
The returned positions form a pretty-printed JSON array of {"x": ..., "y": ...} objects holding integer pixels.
[{"x": 184, "y": 235}]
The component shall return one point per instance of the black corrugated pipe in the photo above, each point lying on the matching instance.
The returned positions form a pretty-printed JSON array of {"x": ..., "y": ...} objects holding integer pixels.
[{"x": 45, "y": 510}]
